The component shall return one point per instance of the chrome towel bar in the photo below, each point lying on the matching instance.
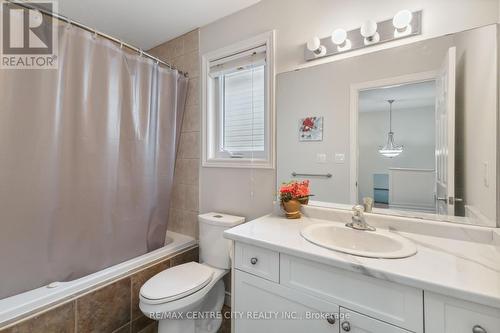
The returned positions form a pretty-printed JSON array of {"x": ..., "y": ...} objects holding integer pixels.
[{"x": 327, "y": 175}]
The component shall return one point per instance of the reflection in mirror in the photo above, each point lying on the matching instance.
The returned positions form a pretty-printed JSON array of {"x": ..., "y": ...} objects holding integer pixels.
[
  {"x": 395, "y": 178},
  {"x": 412, "y": 127}
]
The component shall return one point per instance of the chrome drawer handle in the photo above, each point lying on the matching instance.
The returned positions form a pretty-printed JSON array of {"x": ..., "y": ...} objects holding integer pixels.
[
  {"x": 330, "y": 320},
  {"x": 253, "y": 261},
  {"x": 346, "y": 326},
  {"x": 478, "y": 329}
]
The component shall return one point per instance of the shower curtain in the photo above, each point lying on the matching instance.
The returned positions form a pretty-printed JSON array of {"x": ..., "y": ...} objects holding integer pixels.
[{"x": 87, "y": 157}]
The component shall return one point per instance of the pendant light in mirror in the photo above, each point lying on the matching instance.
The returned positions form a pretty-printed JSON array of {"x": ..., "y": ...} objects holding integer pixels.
[{"x": 390, "y": 149}]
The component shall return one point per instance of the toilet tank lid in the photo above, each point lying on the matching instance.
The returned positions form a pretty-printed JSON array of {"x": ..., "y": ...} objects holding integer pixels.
[{"x": 223, "y": 220}]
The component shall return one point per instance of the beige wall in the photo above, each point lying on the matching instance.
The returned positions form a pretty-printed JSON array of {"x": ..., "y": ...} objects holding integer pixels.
[
  {"x": 183, "y": 53},
  {"x": 249, "y": 193}
]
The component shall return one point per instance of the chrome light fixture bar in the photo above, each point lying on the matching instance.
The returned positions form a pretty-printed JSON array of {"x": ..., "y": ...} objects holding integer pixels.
[{"x": 403, "y": 25}]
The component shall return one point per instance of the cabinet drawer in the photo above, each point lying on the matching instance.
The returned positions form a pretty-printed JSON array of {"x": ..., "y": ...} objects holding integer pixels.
[
  {"x": 387, "y": 301},
  {"x": 449, "y": 315},
  {"x": 354, "y": 322},
  {"x": 257, "y": 261},
  {"x": 287, "y": 311}
]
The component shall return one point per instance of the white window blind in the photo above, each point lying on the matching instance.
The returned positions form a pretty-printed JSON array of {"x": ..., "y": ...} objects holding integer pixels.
[
  {"x": 243, "y": 111},
  {"x": 241, "y": 100}
]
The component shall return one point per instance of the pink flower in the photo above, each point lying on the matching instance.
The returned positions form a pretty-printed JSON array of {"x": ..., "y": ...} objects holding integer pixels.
[{"x": 295, "y": 190}]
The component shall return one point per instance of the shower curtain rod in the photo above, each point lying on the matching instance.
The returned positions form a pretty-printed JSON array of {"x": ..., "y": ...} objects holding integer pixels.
[{"x": 141, "y": 52}]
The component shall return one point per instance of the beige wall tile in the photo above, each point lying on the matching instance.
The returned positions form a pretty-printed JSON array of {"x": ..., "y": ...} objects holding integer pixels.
[
  {"x": 191, "y": 41},
  {"x": 191, "y": 64},
  {"x": 177, "y": 46},
  {"x": 106, "y": 309},
  {"x": 189, "y": 146},
  {"x": 163, "y": 52},
  {"x": 184, "y": 222},
  {"x": 191, "y": 198},
  {"x": 179, "y": 63},
  {"x": 144, "y": 325},
  {"x": 183, "y": 53},
  {"x": 193, "y": 94},
  {"x": 192, "y": 119},
  {"x": 186, "y": 256},
  {"x": 178, "y": 195},
  {"x": 123, "y": 329},
  {"x": 186, "y": 171},
  {"x": 175, "y": 219},
  {"x": 190, "y": 223},
  {"x": 58, "y": 320}
]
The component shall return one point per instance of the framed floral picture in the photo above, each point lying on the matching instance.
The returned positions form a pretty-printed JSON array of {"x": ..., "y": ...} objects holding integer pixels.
[{"x": 311, "y": 129}]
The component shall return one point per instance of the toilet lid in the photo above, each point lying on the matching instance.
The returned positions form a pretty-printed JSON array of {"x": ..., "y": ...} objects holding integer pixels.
[{"x": 177, "y": 282}]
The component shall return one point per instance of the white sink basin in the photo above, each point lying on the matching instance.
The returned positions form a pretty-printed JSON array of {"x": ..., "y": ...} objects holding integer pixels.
[{"x": 371, "y": 244}]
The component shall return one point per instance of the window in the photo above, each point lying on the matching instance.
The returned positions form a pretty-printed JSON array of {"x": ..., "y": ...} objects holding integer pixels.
[{"x": 237, "y": 108}]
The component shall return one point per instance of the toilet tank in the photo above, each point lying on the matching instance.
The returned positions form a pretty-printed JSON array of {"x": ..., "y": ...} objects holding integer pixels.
[{"x": 214, "y": 248}]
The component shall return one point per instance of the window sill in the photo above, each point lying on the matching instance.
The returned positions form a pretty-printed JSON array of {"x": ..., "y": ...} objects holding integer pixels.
[{"x": 244, "y": 163}]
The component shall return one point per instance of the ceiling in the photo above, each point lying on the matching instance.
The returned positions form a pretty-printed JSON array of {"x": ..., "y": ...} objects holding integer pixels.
[
  {"x": 407, "y": 97},
  {"x": 147, "y": 23}
]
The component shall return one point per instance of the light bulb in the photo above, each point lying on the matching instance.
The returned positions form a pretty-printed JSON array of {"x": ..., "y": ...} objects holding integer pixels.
[
  {"x": 369, "y": 28},
  {"x": 314, "y": 45},
  {"x": 339, "y": 36},
  {"x": 401, "y": 22},
  {"x": 369, "y": 32},
  {"x": 402, "y": 19}
]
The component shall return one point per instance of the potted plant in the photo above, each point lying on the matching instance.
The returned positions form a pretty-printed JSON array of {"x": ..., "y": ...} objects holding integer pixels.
[{"x": 292, "y": 196}]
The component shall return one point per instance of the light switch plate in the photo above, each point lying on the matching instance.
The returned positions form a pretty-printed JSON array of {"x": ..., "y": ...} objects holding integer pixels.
[
  {"x": 339, "y": 158},
  {"x": 486, "y": 178},
  {"x": 321, "y": 158}
]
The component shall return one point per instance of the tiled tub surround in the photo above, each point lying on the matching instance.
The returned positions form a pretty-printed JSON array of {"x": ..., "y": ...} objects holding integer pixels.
[
  {"x": 110, "y": 308},
  {"x": 182, "y": 52}
]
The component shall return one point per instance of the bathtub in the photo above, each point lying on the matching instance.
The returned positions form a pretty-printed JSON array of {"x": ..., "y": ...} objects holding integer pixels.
[{"x": 21, "y": 305}]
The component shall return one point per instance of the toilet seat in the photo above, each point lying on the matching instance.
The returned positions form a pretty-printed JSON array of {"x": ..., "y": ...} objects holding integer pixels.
[{"x": 176, "y": 282}]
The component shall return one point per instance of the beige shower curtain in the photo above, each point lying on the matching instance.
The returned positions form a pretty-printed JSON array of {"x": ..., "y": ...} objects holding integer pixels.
[{"x": 87, "y": 157}]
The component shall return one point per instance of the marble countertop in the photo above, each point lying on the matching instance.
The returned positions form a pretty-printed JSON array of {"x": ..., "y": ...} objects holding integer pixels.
[{"x": 453, "y": 260}]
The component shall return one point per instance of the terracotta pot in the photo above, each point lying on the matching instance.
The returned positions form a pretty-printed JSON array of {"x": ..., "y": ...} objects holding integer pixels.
[
  {"x": 292, "y": 208},
  {"x": 304, "y": 200}
]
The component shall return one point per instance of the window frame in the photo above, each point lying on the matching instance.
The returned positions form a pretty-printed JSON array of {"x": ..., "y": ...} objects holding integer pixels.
[{"x": 212, "y": 131}]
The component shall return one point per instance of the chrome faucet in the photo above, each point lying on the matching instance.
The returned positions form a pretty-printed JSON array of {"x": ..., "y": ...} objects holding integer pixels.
[{"x": 358, "y": 221}]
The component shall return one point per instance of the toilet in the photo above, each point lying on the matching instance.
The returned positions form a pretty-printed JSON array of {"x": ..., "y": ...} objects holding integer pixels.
[{"x": 189, "y": 297}]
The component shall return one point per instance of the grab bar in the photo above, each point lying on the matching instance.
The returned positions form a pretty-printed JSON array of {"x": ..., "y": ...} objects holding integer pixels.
[{"x": 327, "y": 175}]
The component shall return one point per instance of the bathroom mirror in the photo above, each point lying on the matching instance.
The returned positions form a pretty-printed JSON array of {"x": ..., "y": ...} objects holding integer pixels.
[{"x": 413, "y": 127}]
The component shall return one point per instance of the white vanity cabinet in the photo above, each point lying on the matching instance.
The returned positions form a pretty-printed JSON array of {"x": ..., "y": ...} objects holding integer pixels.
[
  {"x": 312, "y": 297},
  {"x": 277, "y": 292},
  {"x": 450, "y": 315}
]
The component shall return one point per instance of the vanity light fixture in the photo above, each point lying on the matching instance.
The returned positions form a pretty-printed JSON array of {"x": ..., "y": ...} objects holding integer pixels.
[
  {"x": 369, "y": 32},
  {"x": 339, "y": 38},
  {"x": 390, "y": 149},
  {"x": 314, "y": 45},
  {"x": 402, "y": 23}
]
